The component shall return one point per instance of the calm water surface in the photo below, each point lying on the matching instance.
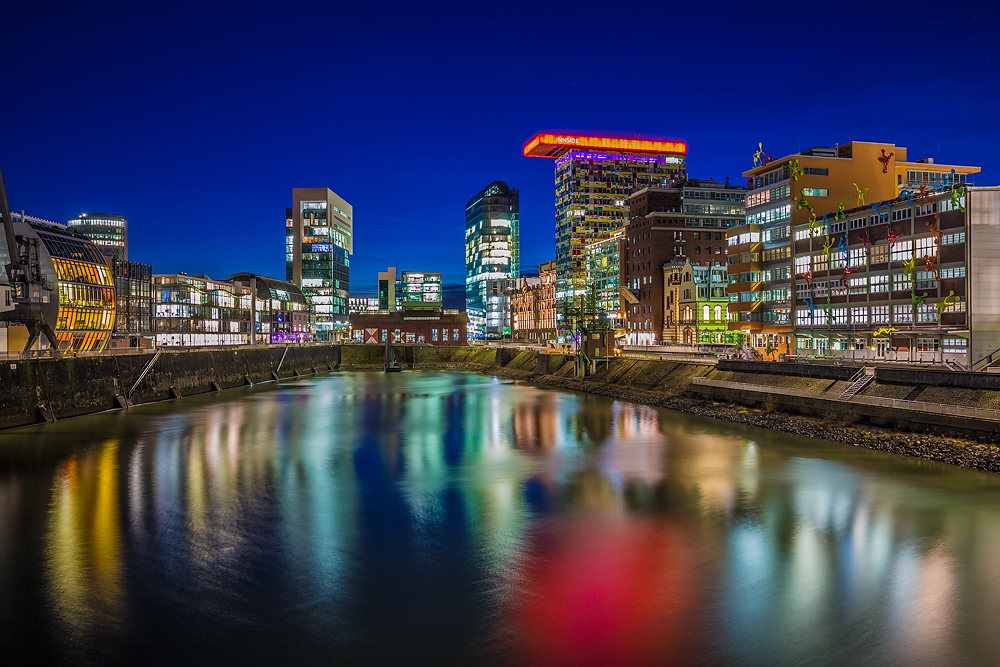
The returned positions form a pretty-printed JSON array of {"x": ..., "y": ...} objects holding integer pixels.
[{"x": 450, "y": 518}]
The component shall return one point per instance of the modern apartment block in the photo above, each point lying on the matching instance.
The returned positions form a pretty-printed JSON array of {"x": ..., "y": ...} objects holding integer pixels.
[
  {"x": 686, "y": 219},
  {"x": 911, "y": 279},
  {"x": 108, "y": 232},
  {"x": 492, "y": 240},
  {"x": 603, "y": 278},
  {"x": 363, "y": 304},
  {"x": 387, "y": 289},
  {"x": 594, "y": 177},
  {"x": 319, "y": 240},
  {"x": 813, "y": 188}
]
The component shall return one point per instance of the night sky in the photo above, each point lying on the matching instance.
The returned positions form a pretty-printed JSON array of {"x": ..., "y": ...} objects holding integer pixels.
[{"x": 197, "y": 121}]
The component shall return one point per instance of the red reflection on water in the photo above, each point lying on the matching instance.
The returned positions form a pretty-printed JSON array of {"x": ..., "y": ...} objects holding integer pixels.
[{"x": 614, "y": 591}]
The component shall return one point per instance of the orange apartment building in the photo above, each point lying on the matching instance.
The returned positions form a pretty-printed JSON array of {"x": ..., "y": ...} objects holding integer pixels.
[{"x": 810, "y": 188}]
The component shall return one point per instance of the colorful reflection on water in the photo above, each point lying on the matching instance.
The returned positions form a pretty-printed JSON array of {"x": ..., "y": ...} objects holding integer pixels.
[{"x": 449, "y": 518}]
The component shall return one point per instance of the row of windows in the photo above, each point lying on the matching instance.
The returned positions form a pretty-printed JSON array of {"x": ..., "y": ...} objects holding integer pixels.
[{"x": 925, "y": 313}]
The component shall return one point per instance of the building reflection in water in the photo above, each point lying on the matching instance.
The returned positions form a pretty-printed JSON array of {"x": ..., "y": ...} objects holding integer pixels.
[
  {"x": 83, "y": 551},
  {"x": 451, "y": 510}
]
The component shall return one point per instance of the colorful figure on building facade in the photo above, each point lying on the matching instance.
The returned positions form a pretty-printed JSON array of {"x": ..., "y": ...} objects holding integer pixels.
[
  {"x": 878, "y": 209},
  {"x": 803, "y": 202},
  {"x": 957, "y": 197},
  {"x": 861, "y": 194},
  {"x": 813, "y": 226},
  {"x": 760, "y": 156},
  {"x": 796, "y": 172},
  {"x": 885, "y": 161},
  {"x": 840, "y": 215},
  {"x": 943, "y": 305},
  {"x": 929, "y": 266},
  {"x": 933, "y": 226},
  {"x": 827, "y": 248}
]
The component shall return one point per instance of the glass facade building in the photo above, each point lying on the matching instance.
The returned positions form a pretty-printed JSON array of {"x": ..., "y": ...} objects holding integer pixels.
[
  {"x": 108, "y": 232},
  {"x": 603, "y": 262},
  {"x": 319, "y": 240},
  {"x": 133, "y": 299},
  {"x": 492, "y": 224},
  {"x": 419, "y": 290},
  {"x": 246, "y": 309},
  {"x": 86, "y": 289}
]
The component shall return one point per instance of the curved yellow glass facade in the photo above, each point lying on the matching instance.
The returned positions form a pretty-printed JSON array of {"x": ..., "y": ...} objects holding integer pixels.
[{"x": 86, "y": 305}]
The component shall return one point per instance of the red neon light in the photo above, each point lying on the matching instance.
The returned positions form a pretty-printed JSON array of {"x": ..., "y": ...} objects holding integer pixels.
[{"x": 541, "y": 145}]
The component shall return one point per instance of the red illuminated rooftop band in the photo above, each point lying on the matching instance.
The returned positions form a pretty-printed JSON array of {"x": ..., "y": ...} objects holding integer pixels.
[{"x": 557, "y": 145}]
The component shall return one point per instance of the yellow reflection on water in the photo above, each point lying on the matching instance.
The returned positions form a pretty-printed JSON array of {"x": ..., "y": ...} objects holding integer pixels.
[{"x": 83, "y": 556}]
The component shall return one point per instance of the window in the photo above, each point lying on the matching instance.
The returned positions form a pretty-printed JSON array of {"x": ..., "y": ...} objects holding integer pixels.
[
  {"x": 901, "y": 282},
  {"x": 837, "y": 227},
  {"x": 859, "y": 316},
  {"x": 858, "y": 285},
  {"x": 816, "y": 171},
  {"x": 857, "y": 256},
  {"x": 926, "y": 247},
  {"x": 927, "y": 209},
  {"x": 815, "y": 192},
  {"x": 901, "y": 214},
  {"x": 952, "y": 239},
  {"x": 803, "y": 317},
  {"x": 878, "y": 284},
  {"x": 718, "y": 313},
  {"x": 926, "y": 280},
  {"x": 880, "y": 253},
  {"x": 705, "y": 313},
  {"x": 902, "y": 314},
  {"x": 902, "y": 251},
  {"x": 839, "y": 315},
  {"x": 858, "y": 223},
  {"x": 880, "y": 314},
  {"x": 819, "y": 263},
  {"x": 956, "y": 272},
  {"x": 434, "y": 335},
  {"x": 926, "y": 312},
  {"x": 927, "y": 344},
  {"x": 956, "y": 346}
]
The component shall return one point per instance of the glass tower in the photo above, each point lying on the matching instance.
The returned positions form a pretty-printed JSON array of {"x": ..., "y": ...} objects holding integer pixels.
[
  {"x": 108, "y": 232},
  {"x": 319, "y": 239},
  {"x": 491, "y": 251}
]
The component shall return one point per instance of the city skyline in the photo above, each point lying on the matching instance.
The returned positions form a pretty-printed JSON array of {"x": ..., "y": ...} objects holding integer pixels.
[{"x": 207, "y": 139}]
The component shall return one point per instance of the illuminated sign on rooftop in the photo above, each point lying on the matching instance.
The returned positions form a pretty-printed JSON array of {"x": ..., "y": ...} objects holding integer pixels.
[{"x": 557, "y": 145}]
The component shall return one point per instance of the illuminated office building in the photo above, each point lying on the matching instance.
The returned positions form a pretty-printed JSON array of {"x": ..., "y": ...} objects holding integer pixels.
[
  {"x": 133, "y": 302},
  {"x": 419, "y": 290},
  {"x": 491, "y": 251},
  {"x": 86, "y": 288},
  {"x": 245, "y": 309},
  {"x": 319, "y": 239},
  {"x": 594, "y": 177},
  {"x": 811, "y": 188},
  {"x": 108, "y": 232}
]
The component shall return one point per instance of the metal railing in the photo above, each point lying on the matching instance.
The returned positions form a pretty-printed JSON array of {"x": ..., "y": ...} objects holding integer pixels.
[{"x": 875, "y": 401}]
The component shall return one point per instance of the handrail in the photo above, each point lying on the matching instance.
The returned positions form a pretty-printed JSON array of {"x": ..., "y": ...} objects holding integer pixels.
[
  {"x": 145, "y": 370},
  {"x": 875, "y": 401}
]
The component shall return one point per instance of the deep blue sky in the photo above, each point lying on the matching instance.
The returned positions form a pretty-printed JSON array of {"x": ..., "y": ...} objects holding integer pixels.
[{"x": 197, "y": 120}]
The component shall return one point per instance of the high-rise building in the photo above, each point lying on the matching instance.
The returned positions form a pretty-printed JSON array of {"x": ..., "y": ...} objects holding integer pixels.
[
  {"x": 685, "y": 219},
  {"x": 108, "y": 232},
  {"x": 594, "y": 177},
  {"x": 813, "y": 188},
  {"x": 319, "y": 239},
  {"x": 491, "y": 251}
]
